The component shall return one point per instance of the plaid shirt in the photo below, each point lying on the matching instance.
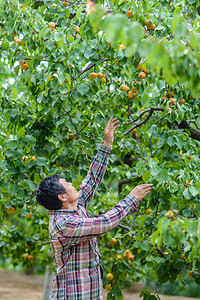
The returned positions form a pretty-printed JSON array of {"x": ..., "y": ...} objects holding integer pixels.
[{"x": 73, "y": 238}]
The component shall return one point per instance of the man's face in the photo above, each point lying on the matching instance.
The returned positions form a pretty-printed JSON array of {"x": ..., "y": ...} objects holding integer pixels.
[{"x": 71, "y": 194}]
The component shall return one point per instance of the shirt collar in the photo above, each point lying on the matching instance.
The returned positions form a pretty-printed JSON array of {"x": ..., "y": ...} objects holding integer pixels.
[{"x": 64, "y": 211}]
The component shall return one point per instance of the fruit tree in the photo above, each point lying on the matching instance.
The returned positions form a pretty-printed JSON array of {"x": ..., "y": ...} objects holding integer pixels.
[{"x": 65, "y": 69}]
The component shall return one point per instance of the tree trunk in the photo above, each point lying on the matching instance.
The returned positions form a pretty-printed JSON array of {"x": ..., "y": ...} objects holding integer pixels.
[{"x": 47, "y": 283}]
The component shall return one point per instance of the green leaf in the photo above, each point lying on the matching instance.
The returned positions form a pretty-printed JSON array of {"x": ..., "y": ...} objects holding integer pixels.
[
  {"x": 41, "y": 161},
  {"x": 13, "y": 189},
  {"x": 83, "y": 88},
  {"x": 146, "y": 176},
  {"x": 132, "y": 33},
  {"x": 30, "y": 139},
  {"x": 68, "y": 77},
  {"x": 178, "y": 26},
  {"x": 50, "y": 45},
  {"x": 12, "y": 144},
  {"x": 145, "y": 47},
  {"x": 89, "y": 52},
  {"x": 162, "y": 175},
  {"x": 193, "y": 190},
  {"x": 29, "y": 185}
]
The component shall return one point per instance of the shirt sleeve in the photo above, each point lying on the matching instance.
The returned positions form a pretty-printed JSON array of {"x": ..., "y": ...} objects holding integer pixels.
[
  {"x": 94, "y": 177},
  {"x": 75, "y": 230}
]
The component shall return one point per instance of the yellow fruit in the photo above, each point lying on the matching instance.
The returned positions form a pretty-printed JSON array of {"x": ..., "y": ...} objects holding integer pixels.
[
  {"x": 172, "y": 100},
  {"x": 183, "y": 256},
  {"x": 117, "y": 63},
  {"x": 114, "y": 242},
  {"x": 166, "y": 253},
  {"x": 148, "y": 211},
  {"x": 15, "y": 39},
  {"x": 29, "y": 215},
  {"x": 33, "y": 158},
  {"x": 119, "y": 257},
  {"x": 110, "y": 276},
  {"x": 127, "y": 253},
  {"x": 93, "y": 75},
  {"x": 65, "y": 3},
  {"x": 18, "y": 41},
  {"x": 71, "y": 136},
  {"x": 134, "y": 131},
  {"x": 125, "y": 88},
  {"x": 151, "y": 26},
  {"x": 181, "y": 101},
  {"x": 140, "y": 67},
  {"x": 10, "y": 210},
  {"x": 129, "y": 13},
  {"x": 23, "y": 62},
  {"x": 170, "y": 5},
  {"x": 100, "y": 75},
  {"x": 130, "y": 263},
  {"x": 169, "y": 213},
  {"x": 103, "y": 80},
  {"x": 130, "y": 95},
  {"x": 26, "y": 255},
  {"x": 142, "y": 75},
  {"x": 122, "y": 47},
  {"x": 30, "y": 257},
  {"x": 76, "y": 29},
  {"x": 109, "y": 287},
  {"x": 25, "y": 67},
  {"x": 133, "y": 90},
  {"x": 145, "y": 71},
  {"x": 147, "y": 22},
  {"x": 52, "y": 24},
  {"x": 131, "y": 257},
  {"x": 172, "y": 93},
  {"x": 187, "y": 182},
  {"x": 189, "y": 157},
  {"x": 25, "y": 158}
]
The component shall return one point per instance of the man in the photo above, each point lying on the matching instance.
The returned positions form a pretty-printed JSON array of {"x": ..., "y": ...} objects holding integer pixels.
[{"x": 73, "y": 231}]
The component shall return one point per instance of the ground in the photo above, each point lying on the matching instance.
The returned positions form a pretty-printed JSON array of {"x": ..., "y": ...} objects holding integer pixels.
[{"x": 17, "y": 286}]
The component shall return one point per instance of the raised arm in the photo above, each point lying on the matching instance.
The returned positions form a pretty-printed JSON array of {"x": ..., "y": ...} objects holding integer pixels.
[
  {"x": 98, "y": 167},
  {"x": 74, "y": 230}
]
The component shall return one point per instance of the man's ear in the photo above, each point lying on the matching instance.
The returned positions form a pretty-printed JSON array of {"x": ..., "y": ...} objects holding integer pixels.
[{"x": 60, "y": 197}]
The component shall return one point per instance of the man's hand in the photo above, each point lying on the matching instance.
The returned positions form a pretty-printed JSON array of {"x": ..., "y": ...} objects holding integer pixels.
[
  {"x": 109, "y": 131},
  {"x": 141, "y": 191}
]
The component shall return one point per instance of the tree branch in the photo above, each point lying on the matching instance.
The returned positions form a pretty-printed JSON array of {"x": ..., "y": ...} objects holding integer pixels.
[
  {"x": 151, "y": 110},
  {"x": 91, "y": 66},
  {"x": 195, "y": 134},
  {"x": 193, "y": 121},
  {"x": 125, "y": 181}
]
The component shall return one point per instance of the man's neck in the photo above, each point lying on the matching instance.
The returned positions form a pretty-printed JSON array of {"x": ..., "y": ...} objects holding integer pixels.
[{"x": 72, "y": 205}]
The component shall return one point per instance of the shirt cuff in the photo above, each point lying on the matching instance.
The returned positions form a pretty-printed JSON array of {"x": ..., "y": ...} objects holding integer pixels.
[
  {"x": 105, "y": 150},
  {"x": 132, "y": 201}
]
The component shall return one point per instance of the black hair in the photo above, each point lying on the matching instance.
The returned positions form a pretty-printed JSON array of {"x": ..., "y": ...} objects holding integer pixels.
[{"x": 48, "y": 191}]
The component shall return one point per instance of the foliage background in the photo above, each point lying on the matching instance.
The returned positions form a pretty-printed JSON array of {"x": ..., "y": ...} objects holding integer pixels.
[{"x": 55, "y": 114}]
